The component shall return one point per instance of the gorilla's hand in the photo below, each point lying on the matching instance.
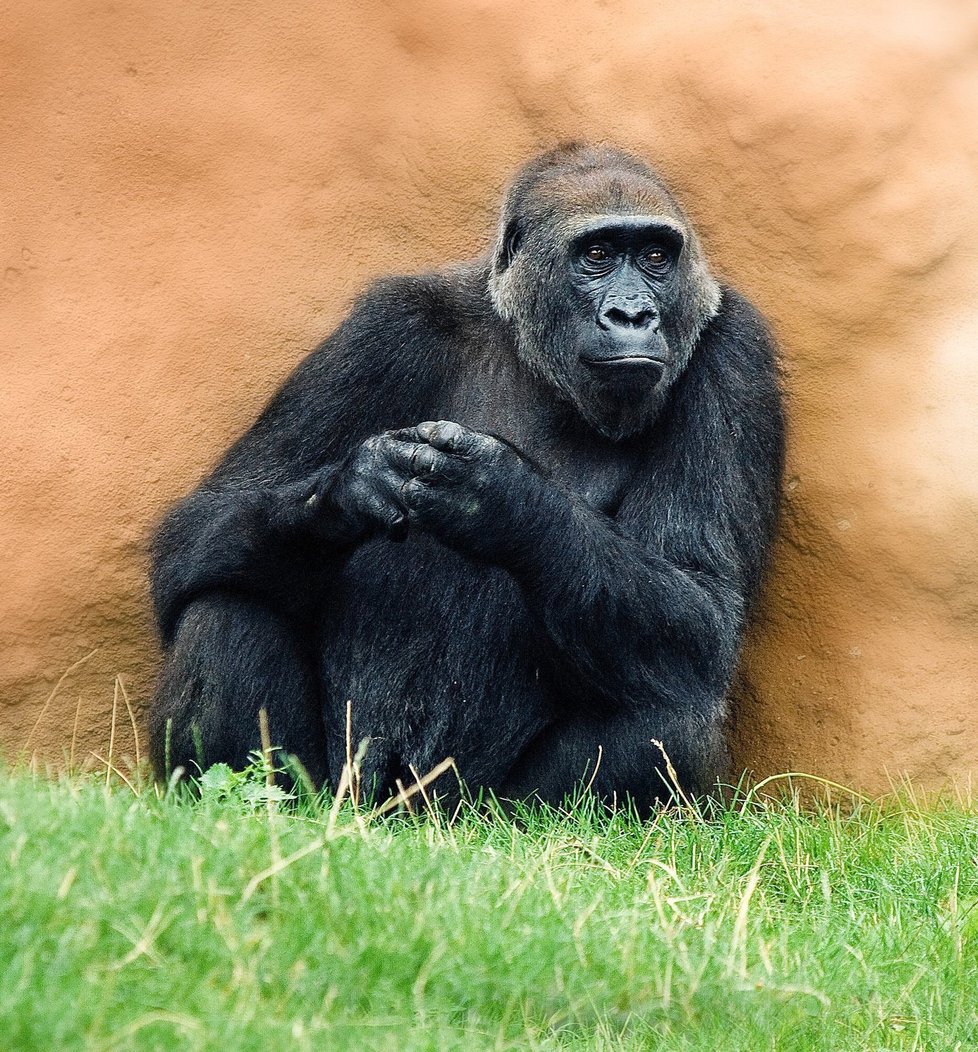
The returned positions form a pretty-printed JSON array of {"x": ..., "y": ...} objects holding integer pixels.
[
  {"x": 470, "y": 490},
  {"x": 365, "y": 494}
]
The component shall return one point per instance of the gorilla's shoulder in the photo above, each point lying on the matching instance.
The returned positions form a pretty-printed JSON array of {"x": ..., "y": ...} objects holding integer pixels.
[
  {"x": 737, "y": 370},
  {"x": 738, "y": 334},
  {"x": 438, "y": 302},
  {"x": 736, "y": 314},
  {"x": 400, "y": 329}
]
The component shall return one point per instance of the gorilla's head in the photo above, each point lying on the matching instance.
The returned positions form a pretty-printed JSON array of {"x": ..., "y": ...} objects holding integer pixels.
[{"x": 601, "y": 274}]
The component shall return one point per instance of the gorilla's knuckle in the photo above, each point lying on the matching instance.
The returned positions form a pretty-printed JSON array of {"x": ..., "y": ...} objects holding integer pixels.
[
  {"x": 422, "y": 458},
  {"x": 413, "y": 491},
  {"x": 448, "y": 433}
]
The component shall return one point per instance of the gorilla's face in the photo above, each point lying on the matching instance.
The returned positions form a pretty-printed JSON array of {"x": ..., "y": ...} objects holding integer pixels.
[
  {"x": 602, "y": 276},
  {"x": 622, "y": 286}
]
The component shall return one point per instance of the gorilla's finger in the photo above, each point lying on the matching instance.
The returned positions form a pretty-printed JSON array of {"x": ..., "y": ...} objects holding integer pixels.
[
  {"x": 404, "y": 434},
  {"x": 401, "y": 454},
  {"x": 386, "y": 509},
  {"x": 448, "y": 436},
  {"x": 414, "y": 493},
  {"x": 387, "y": 486},
  {"x": 419, "y": 459},
  {"x": 424, "y": 460}
]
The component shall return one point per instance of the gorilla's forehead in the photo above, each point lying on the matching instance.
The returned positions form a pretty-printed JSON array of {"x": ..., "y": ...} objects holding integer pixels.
[
  {"x": 578, "y": 195},
  {"x": 585, "y": 221}
]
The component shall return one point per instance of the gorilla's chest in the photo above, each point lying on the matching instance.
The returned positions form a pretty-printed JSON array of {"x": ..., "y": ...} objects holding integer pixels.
[{"x": 558, "y": 443}]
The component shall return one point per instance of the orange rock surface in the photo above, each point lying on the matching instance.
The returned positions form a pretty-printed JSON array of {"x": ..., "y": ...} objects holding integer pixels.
[{"x": 192, "y": 193}]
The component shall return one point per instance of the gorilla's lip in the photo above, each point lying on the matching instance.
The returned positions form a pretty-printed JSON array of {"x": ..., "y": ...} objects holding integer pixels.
[{"x": 625, "y": 359}]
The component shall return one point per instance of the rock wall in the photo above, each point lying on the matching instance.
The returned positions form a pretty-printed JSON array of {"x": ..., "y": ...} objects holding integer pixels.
[{"x": 193, "y": 192}]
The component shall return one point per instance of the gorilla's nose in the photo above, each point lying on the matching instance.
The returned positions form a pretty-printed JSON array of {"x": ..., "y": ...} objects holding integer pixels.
[{"x": 629, "y": 316}]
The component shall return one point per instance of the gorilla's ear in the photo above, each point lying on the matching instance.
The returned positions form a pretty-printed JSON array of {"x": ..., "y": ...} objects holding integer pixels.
[{"x": 511, "y": 240}]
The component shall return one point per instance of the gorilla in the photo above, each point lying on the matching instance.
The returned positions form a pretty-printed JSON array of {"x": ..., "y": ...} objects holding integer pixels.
[{"x": 514, "y": 512}]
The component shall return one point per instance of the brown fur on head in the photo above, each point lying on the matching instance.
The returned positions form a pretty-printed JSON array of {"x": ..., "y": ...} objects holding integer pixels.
[{"x": 551, "y": 199}]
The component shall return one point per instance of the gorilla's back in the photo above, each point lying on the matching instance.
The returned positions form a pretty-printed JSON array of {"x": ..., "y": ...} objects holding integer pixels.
[{"x": 436, "y": 656}]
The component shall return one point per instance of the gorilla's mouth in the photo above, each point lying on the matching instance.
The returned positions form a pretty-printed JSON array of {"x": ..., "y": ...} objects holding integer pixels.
[{"x": 631, "y": 360}]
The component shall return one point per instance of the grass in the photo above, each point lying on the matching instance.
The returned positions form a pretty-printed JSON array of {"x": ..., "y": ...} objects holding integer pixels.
[{"x": 136, "y": 919}]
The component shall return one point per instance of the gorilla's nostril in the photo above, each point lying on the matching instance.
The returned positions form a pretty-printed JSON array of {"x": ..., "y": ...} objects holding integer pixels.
[{"x": 629, "y": 319}]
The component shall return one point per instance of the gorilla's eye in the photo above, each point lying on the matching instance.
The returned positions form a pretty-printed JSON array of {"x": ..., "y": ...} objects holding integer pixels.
[
  {"x": 596, "y": 254},
  {"x": 656, "y": 257}
]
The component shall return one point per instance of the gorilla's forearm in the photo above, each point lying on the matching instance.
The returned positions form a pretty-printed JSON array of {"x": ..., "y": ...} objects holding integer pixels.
[
  {"x": 254, "y": 542},
  {"x": 629, "y": 626}
]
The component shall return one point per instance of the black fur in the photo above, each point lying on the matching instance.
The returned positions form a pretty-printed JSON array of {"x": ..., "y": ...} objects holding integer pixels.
[{"x": 561, "y": 574}]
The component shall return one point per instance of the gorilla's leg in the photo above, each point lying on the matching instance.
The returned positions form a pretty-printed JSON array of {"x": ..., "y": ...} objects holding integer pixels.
[
  {"x": 617, "y": 759},
  {"x": 230, "y": 658}
]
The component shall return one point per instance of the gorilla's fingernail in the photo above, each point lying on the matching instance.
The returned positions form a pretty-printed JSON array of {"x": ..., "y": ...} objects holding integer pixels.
[{"x": 398, "y": 530}]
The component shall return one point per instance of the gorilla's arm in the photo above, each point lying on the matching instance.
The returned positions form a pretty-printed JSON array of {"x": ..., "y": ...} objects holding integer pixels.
[
  {"x": 267, "y": 541},
  {"x": 308, "y": 480},
  {"x": 629, "y": 626}
]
